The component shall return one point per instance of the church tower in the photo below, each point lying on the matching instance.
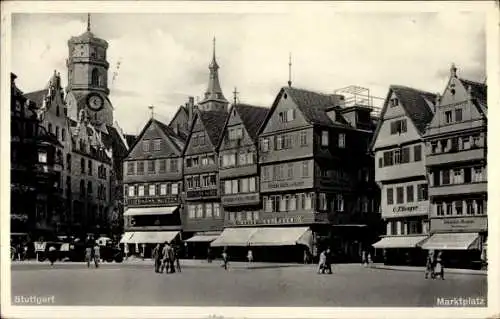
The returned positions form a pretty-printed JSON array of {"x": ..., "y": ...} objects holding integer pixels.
[
  {"x": 213, "y": 100},
  {"x": 88, "y": 78}
]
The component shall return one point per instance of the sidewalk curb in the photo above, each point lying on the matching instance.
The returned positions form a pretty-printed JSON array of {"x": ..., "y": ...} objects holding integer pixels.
[{"x": 449, "y": 271}]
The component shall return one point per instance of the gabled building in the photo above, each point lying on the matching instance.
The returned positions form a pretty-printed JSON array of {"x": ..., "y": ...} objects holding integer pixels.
[
  {"x": 203, "y": 211},
  {"x": 399, "y": 153},
  {"x": 308, "y": 180},
  {"x": 152, "y": 188},
  {"x": 456, "y": 162},
  {"x": 238, "y": 171}
]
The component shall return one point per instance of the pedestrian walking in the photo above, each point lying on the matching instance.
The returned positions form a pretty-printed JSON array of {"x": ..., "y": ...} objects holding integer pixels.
[
  {"x": 322, "y": 262},
  {"x": 171, "y": 258},
  {"x": 363, "y": 258},
  {"x": 209, "y": 255},
  {"x": 429, "y": 266},
  {"x": 328, "y": 262},
  {"x": 439, "y": 268},
  {"x": 125, "y": 250},
  {"x": 88, "y": 255},
  {"x": 156, "y": 254},
  {"x": 177, "y": 252},
  {"x": 165, "y": 262},
  {"x": 97, "y": 255},
  {"x": 369, "y": 260},
  {"x": 306, "y": 256},
  {"x": 225, "y": 259},
  {"x": 250, "y": 256},
  {"x": 52, "y": 255}
]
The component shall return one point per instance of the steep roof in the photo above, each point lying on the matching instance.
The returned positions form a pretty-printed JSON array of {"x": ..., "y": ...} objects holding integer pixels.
[
  {"x": 37, "y": 96},
  {"x": 312, "y": 104},
  {"x": 252, "y": 117},
  {"x": 178, "y": 140},
  {"x": 414, "y": 104},
  {"x": 214, "y": 122},
  {"x": 478, "y": 91}
]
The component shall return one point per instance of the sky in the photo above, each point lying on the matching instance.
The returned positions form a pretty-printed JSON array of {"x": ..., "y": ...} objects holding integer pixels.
[{"x": 164, "y": 57}]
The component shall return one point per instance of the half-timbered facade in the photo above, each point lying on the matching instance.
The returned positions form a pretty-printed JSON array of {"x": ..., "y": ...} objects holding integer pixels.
[{"x": 153, "y": 187}]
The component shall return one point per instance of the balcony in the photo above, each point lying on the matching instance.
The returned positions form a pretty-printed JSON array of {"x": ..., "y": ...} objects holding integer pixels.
[
  {"x": 458, "y": 189},
  {"x": 240, "y": 200},
  {"x": 460, "y": 156},
  {"x": 152, "y": 200}
]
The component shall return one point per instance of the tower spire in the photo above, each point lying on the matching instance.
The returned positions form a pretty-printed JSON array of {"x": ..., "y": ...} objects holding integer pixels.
[
  {"x": 214, "y": 98},
  {"x": 213, "y": 49},
  {"x": 290, "y": 69},
  {"x": 88, "y": 22}
]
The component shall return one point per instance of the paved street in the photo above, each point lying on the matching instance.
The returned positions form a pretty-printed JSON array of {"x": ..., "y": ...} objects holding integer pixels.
[{"x": 202, "y": 284}]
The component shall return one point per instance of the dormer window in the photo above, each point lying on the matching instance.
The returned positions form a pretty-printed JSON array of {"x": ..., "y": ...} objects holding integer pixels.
[
  {"x": 287, "y": 116},
  {"x": 145, "y": 146},
  {"x": 398, "y": 127}
]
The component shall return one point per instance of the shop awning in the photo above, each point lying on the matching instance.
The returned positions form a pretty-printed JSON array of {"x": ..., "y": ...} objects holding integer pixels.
[
  {"x": 126, "y": 237},
  {"x": 202, "y": 238},
  {"x": 150, "y": 211},
  {"x": 281, "y": 236},
  {"x": 452, "y": 241},
  {"x": 149, "y": 237},
  {"x": 399, "y": 242},
  {"x": 234, "y": 237}
]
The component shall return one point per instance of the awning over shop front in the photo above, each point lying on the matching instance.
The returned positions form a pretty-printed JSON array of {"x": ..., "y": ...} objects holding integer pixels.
[
  {"x": 281, "y": 236},
  {"x": 149, "y": 237},
  {"x": 399, "y": 242},
  {"x": 203, "y": 238},
  {"x": 452, "y": 241},
  {"x": 150, "y": 211},
  {"x": 126, "y": 237},
  {"x": 234, "y": 237}
]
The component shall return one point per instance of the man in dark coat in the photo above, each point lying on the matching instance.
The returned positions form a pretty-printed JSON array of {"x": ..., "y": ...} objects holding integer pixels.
[{"x": 157, "y": 257}]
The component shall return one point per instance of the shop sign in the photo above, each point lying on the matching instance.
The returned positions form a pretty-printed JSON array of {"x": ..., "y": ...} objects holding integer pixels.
[
  {"x": 404, "y": 209},
  {"x": 152, "y": 200},
  {"x": 286, "y": 184},
  {"x": 240, "y": 199},
  {"x": 270, "y": 221},
  {"x": 202, "y": 193},
  {"x": 459, "y": 224}
]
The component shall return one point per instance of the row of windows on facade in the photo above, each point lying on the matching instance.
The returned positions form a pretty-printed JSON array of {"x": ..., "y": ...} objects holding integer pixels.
[
  {"x": 240, "y": 186},
  {"x": 199, "y": 139},
  {"x": 207, "y": 210},
  {"x": 456, "y": 208},
  {"x": 203, "y": 160},
  {"x": 422, "y": 194},
  {"x": 278, "y": 171},
  {"x": 244, "y": 215},
  {"x": 201, "y": 181},
  {"x": 457, "y": 143},
  {"x": 450, "y": 119},
  {"x": 287, "y": 116},
  {"x": 156, "y": 143},
  {"x": 238, "y": 159},
  {"x": 288, "y": 140},
  {"x": 61, "y": 137},
  {"x": 153, "y": 166},
  {"x": 464, "y": 175},
  {"x": 162, "y": 189},
  {"x": 101, "y": 189},
  {"x": 234, "y": 134},
  {"x": 301, "y": 201},
  {"x": 82, "y": 146},
  {"x": 412, "y": 227},
  {"x": 101, "y": 169},
  {"x": 400, "y": 156}
]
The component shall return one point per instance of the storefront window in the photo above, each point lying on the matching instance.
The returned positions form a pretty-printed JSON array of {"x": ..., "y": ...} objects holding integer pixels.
[
  {"x": 131, "y": 191},
  {"x": 163, "y": 189},
  {"x": 152, "y": 190},
  {"x": 141, "y": 190},
  {"x": 175, "y": 188}
]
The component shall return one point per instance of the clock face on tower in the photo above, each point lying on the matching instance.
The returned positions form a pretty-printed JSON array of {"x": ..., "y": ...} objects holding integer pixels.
[{"x": 95, "y": 102}]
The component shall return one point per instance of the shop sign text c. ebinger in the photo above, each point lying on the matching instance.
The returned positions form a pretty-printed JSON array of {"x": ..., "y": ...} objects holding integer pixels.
[{"x": 404, "y": 209}]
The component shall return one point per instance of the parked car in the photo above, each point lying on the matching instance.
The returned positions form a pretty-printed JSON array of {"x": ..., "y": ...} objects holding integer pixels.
[{"x": 42, "y": 248}]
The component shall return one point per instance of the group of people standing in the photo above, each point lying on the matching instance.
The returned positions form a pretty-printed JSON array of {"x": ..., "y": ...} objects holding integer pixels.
[
  {"x": 166, "y": 258},
  {"x": 434, "y": 265},
  {"x": 93, "y": 254}
]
